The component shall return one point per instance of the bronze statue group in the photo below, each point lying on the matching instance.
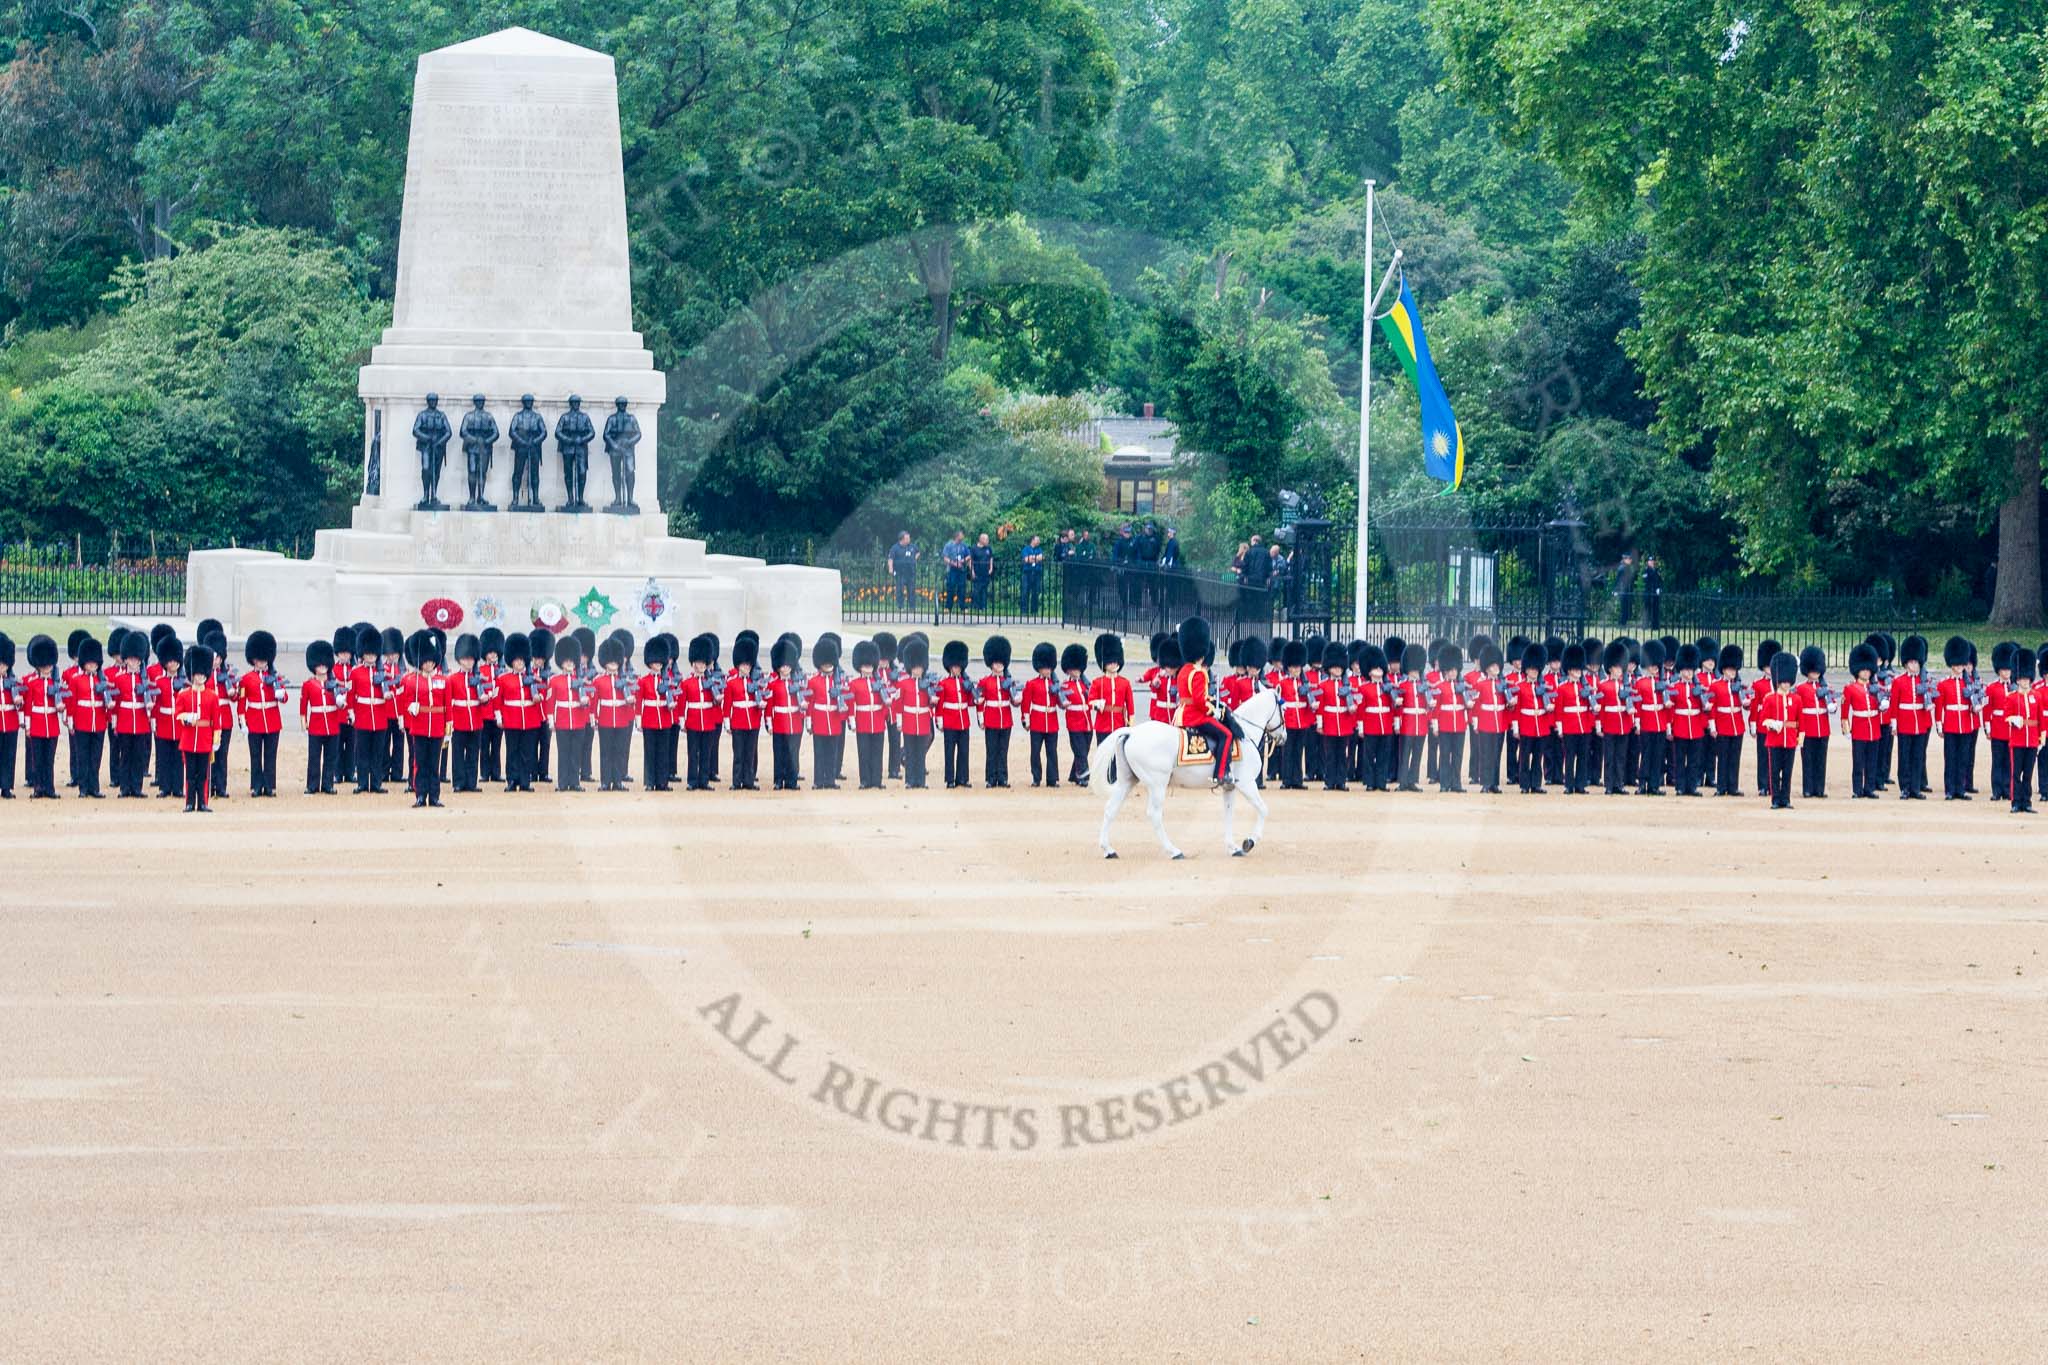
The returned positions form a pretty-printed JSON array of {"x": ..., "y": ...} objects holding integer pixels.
[
  {"x": 382, "y": 710},
  {"x": 527, "y": 433}
]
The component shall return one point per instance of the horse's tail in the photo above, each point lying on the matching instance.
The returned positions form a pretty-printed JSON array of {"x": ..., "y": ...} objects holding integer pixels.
[{"x": 1102, "y": 762}]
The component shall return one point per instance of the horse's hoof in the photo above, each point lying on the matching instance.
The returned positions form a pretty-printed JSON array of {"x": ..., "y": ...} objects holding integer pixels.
[
  {"x": 1110, "y": 854},
  {"x": 1178, "y": 856},
  {"x": 1237, "y": 853},
  {"x": 1247, "y": 845}
]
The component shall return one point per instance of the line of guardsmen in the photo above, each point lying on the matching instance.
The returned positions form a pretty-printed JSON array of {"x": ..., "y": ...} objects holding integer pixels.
[{"x": 383, "y": 708}]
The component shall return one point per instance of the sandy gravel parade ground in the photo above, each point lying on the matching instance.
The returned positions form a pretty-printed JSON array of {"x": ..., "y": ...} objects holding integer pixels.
[{"x": 916, "y": 1076}]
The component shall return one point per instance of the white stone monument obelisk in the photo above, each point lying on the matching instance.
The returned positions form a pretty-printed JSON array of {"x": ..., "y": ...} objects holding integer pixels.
[{"x": 513, "y": 280}]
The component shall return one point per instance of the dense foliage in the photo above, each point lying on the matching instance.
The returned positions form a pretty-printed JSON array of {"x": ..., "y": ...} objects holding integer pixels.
[{"x": 1760, "y": 295}]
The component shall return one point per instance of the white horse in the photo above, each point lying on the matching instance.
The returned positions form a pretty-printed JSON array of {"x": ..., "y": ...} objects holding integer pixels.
[{"x": 1149, "y": 752}]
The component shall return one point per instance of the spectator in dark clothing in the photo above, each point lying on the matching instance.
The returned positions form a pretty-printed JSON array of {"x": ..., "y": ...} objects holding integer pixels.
[
  {"x": 903, "y": 557},
  {"x": 1653, "y": 592},
  {"x": 955, "y": 556},
  {"x": 1063, "y": 548},
  {"x": 1169, "y": 553},
  {"x": 982, "y": 559},
  {"x": 1625, "y": 588},
  {"x": 1032, "y": 581},
  {"x": 1086, "y": 548},
  {"x": 1258, "y": 564}
]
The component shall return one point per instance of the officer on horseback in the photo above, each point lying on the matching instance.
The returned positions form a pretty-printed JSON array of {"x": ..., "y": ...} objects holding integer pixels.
[{"x": 1197, "y": 650}]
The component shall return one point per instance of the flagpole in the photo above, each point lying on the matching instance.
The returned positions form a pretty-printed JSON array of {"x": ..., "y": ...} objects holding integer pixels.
[{"x": 1362, "y": 553}]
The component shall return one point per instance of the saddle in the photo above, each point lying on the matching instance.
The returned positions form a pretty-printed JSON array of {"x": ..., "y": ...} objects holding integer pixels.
[{"x": 1194, "y": 749}]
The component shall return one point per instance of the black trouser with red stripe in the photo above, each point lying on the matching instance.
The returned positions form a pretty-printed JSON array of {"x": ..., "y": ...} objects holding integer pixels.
[
  {"x": 1078, "y": 742},
  {"x": 197, "y": 770}
]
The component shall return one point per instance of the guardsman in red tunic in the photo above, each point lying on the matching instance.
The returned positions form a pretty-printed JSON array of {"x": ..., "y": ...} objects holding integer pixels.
[
  {"x": 1158, "y": 679},
  {"x": 469, "y": 707},
  {"x": 656, "y": 691},
  {"x": 1689, "y": 720},
  {"x": 1334, "y": 718},
  {"x": 320, "y": 716},
  {"x": 1816, "y": 705},
  {"x": 1450, "y": 708},
  {"x": 954, "y": 698},
  {"x": 1411, "y": 712},
  {"x": 260, "y": 693},
  {"x": 197, "y": 716},
  {"x": 42, "y": 709},
  {"x": 1529, "y": 714},
  {"x": 2024, "y": 717},
  {"x": 825, "y": 703},
  {"x": 1111, "y": 699},
  {"x": 10, "y": 716},
  {"x": 1862, "y": 722},
  {"x": 490, "y": 755},
  {"x": 745, "y": 710},
  {"x": 1491, "y": 716},
  {"x": 518, "y": 707},
  {"x": 1040, "y": 702},
  {"x": 1956, "y": 700},
  {"x": 163, "y": 716},
  {"x": 1994, "y": 707},
  {"x": 1727, "y": 709},
  {"x": 1574, "y": 714},
  {"x": 867, "y": 710},
  {"x": 995, "y": 695},
  {"x": 367, "y": 703},
  {"x": 1192, "y": 686},
  {"x": 615, "y": 699},
  {"x": 1766, "y": 654},
  {"x": 1911, "y": 714},
  {"x": 1075, "y": 714},
  {"x": 89, "y": 710},
  {"x": 1778, "y": 718},
  {"x": 916, "y": 713},
  {"x": 1375, "y": 718},
  {"x": 567, "y": 711},
  {"x": 423, "y": 707},
  {"x": 129, "y": 687},
  {"x": 1612, "y": 698},
  {"x": 1653, "y": 720},
  {"x": 223, "y": 713},
  {"x": 1297, "y": 713},
  {"x": 785, "y": 703}
]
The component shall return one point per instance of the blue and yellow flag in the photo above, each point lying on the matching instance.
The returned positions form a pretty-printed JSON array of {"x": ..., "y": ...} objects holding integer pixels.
[{"x": 1443, "y": 444}]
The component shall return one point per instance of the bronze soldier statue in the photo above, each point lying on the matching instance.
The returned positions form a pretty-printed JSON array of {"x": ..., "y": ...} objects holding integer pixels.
[
  {"x": 573, "y": 435},
  {"x": 430, "y": 432},
  {"x": 622, "y": 444},
  {"x": 479, "y": 435},
  {"x": 528, "y": 432}
]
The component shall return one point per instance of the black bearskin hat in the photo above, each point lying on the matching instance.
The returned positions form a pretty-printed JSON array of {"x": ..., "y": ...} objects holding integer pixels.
[
  {"x": 261, "y": 650},
  {"x": 170, "y": 651},
  {"x": 1074, "y": 659},
  {"x": 89, "y": 652},
  {"x": 466, "y": 648},
  {"x": 746, "y": 650},
  {"x": 1334, "y": 658},
  {"x": 782, "y": 654},
  {"x": 700, "y": 650},
  {"x": 369, "y": 641},
  {"x": 1767, "y": 650},
  {"x": 2023, "y": 663},
  {"x": 1534, "y": 656},
  {"x": 394, "y": 643},
  {"x": 1574, "y": 659},
  {"x": 586, "y": 642},
  {"x": 824, "y": 654},
  {"x": 1043, "y": 655},
  {"x": 210, "y": 626},
  {"x": 319, "y": 654},
  {"x": 885, "y": 646},
  {"x": 1371, "y": 658},
  {"x": 1232, "y": 651},
  {"x": 1293, "y": 654},
  {"x": 1887, "y": 647},
  {"x": 1670, "y": 643},
  {"x": 1553, "y": 649},
  {"x": 1913, "y": 650},
  {"x": 1169, "y": 655},
  {"x": 2001, "y": 655},
  {"x": 158, "y": 631},
  {"x": 1109, "y": 649},
  {"x": 865, "y": 655},
  {"x": 712, "y": 639},
  {"x": 953, "y": 655},
  {"x": 1593, "y": 647},
  {"x": 413, "y": 646},
  {"x": 1688, "y": 660},
  {"x": 1956, "y": 652},
  {"x": 914, "y": 654},
  {"x": 995, "y": 650},
  {"x": 1813, "y": 659},
  {"x": 135, "y": 645},
  {"x": 1413, "y": 657},
  {"x": 1708, "y": 647},
  {"x": 1449, "y": 659},
  {"x": 1784, "y": 668},
  {"x": 490, "y": 640},
  {"x": 218, "y": 643},
  {"x": 1490, "y": 656},
  {"x": 672, "y": 648},
  {"x": 117, "y": 640},
  {"x": 1274, "y": 648},
  {"x": 566, "y": 651},
  {"x": 6, "y": 650},
  {"x": 626, "y": 643},
  {"x": 541, "y": 641},
  {"x": 655, "y": 654},
  {"x": 1653, "y": 654},
  {"x": 609, "y": 655},
  {"x": 1254, "y": 654},
  {"x": 518, "y": 649},
  {"x": 1314, "y": 644},
  {"x": 73, "y": 641},
  {"x": 1731, "y": 658},
  {"x": 1862, "y": 659},
  {"x": 198, "y": 660},
  {"x": 1158, "y": 639},
  {"x": 1196, "y": 646},
  {"x": 1614, "y": 656}
]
